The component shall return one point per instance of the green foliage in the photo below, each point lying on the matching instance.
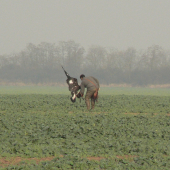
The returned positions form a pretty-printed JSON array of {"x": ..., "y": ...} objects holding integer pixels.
[{"x": 50, "y": 125}]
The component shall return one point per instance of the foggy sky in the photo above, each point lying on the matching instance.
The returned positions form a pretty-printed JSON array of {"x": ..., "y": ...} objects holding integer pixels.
[{"x": 108, "y": 23}]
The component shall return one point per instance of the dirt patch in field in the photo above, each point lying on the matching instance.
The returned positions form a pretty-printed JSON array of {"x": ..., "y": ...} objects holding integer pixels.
[
  {"x": 5, "y": 162},
  {"x": 94, "y": 113},
  {"x": 154, "y": 114},
  {"x": 90, "y": 112},
  {"x": 128, "y": 157},
  {"x": 139, "y": 113},
  {"x": 132, "y": 113},
  {"x": 95, "y": 158}
]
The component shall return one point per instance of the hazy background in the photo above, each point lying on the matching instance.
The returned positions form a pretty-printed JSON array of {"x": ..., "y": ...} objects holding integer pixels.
[
  {"x": 118, "y": 41},
  {"x": 115, "y": 23}
]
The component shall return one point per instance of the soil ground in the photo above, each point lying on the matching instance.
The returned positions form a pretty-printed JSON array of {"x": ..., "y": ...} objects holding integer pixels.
[{"x": 5, "y": 162}]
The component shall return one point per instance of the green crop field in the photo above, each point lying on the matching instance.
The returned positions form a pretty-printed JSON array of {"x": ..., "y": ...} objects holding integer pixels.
[
  {"x": 103, "y": 91},
  {"x": 128, "y": 129}
]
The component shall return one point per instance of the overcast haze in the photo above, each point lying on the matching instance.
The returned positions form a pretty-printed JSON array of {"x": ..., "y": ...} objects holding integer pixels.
[{"x": 108, "y": 23}]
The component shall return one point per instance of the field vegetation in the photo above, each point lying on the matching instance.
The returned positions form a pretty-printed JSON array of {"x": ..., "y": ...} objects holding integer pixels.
[{"x": 41, "y": 129}]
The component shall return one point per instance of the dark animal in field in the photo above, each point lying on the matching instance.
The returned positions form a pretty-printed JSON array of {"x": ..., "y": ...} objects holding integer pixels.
[{"x": 72, "y": 86}]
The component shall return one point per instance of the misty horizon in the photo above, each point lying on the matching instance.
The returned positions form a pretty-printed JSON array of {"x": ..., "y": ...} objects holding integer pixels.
[{"x": 41, "y": 64}]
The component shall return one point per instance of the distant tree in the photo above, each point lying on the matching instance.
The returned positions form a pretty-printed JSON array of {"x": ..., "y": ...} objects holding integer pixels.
[
  {"x": 41, "y": 64},
  {"x": 71, "y": 55},
  {"x": 47, "y": 54},
  {"x": 112, "y": 59},
  {"x": 29, "y": 56},
  {"x": 3, "y": 60},
  {"x": 130, "y": 59},
  {"x": 96, "y": 57},
  {"x": 153, "y": 58}
]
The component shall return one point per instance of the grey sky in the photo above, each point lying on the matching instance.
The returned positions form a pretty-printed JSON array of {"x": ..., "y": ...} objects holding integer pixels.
[{"x": 109, "y": 23}]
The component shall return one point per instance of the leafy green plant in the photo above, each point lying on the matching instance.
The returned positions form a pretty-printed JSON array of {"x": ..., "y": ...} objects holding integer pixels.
[{"x": 50, "y": 125}]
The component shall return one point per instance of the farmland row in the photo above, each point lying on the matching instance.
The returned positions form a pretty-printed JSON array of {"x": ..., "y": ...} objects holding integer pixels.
[{"x": 38, "y": 126}]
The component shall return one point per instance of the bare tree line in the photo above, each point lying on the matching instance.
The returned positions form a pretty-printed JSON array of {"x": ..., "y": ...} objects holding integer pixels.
[{"x": 41, "y": 64}]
